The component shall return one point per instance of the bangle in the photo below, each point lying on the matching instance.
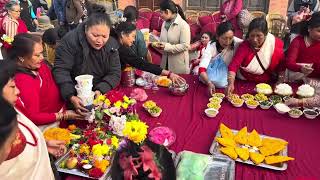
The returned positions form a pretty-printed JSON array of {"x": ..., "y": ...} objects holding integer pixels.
[
  {"x": 168, "y": 76},
  {"x": 59, "y": 116}
]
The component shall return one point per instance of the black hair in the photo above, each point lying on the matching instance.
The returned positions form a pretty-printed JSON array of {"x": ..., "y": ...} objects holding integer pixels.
[
  {"x": 9, "y": 5},
  {"x": 314, "y": 22},
  {"x": 50, "y": 36},
  {"x": 22, "y": 45},
  {"x": 221, "y": 29},
  {"x": 173, "y": 7},
  {"x": 259, "y": 24},
  {"x": 97, "y": 16},
  {"x": 7, "y": 71},
  {"x": 123, "y": 28},
  {"x": 8, "y": 120},
  {"x": 208, "y": 33},
  {"x": 131, "y": 13}
]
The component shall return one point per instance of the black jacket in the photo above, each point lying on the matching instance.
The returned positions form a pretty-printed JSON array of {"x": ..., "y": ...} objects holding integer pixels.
[
  {"x": 74, "y": 56},
  {"x": 128, "y": 56}
]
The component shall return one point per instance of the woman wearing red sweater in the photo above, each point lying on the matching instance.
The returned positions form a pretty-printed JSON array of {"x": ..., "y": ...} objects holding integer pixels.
[
  {"x": 303, "y": 53},
  {"x": 258, "y": 57},
  {"x": 40, "y": 98}
]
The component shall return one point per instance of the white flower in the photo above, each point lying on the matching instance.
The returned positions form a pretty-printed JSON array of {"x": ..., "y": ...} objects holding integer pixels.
[{"x": 117, "y": 124}]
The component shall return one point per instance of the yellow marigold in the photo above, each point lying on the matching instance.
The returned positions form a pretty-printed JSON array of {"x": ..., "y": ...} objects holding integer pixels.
[
  {"x": 107, "y": 102},
  {"x": 126, "y": 99},
  {"x": 84, "y": 148},
  {"x": 101, "y": 164},
  {"x": 118, "y": 104},
  {"x": 115, "y": 142},
  {"x": 85, "y": 161},
  {"x": 136, "y": 131},
  {"x": 125, "y": 105},
  {"x": 100, "y": 150},
  {"x": 57, "y": 134}
]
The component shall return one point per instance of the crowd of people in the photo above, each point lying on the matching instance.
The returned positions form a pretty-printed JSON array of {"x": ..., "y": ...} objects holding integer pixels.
[{"x": 39, "y": 69}]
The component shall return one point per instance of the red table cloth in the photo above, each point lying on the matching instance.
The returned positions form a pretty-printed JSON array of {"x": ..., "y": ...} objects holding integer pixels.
[{"x": 195, "y": 131}]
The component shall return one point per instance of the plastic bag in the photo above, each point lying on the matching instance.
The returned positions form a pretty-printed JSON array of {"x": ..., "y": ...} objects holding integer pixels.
[{"x": 217, "y": 72}]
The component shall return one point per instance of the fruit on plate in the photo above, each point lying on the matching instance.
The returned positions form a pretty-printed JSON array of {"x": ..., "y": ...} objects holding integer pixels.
[
  {"x": 242, "y": 136},
  {"x": 271, "y": 141},
  {"x": 218, "y": 95},
  {"x": 256, "y": 157},
  {"x": 243, "y": 153},
  {"x": 226, "y": 142},
  {"x": 71, "y": 162},
  {"x": 254, "y": 139},
  {"x": 229, "y": 151},
  {"x": 277, "y": 159},
  {"x": 264, "y": 88},
  {"x": 163, "y": 81},
  {"x": 149, "y": 104},
  {"x": 247, "y": 96},
  {"x": 261, "y": 97},
  {"x": 225, "y": 131},
  {"x": 271, "y": 149}
]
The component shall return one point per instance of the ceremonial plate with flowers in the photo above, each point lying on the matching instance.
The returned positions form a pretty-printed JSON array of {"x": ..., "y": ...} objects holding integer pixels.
[{"x": 115, "y": 123}]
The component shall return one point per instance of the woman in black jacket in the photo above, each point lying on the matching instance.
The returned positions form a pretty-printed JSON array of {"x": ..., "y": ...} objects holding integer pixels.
[
  {"x": 126, "y": 32},
  {"x": 88, "y": 49}
]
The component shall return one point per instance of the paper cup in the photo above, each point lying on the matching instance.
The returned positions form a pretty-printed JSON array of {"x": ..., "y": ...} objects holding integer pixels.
[
  {"x": 87, "y": 100},
  {"x": 84, "y": 81},
  {"x": 84, "y": 91}
]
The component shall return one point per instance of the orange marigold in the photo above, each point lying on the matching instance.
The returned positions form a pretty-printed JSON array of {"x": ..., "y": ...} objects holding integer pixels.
[
  {"x": 102, "y": 164},
  {"x": 72, "y": 127}
]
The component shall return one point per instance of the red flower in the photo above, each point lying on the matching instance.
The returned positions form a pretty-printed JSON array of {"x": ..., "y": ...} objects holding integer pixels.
[
  {"x": 94, "y": 141},
  {"x": 95, "y": 172},
  {"x": 115, "y": 96},
  {"x": 108, "y": 141}
]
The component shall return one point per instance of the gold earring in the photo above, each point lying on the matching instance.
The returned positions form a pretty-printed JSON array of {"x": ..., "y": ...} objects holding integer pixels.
[{"x": 21, "y": 59}]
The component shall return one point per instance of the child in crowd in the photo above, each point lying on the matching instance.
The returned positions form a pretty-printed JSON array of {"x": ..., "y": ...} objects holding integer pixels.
[{"x": 199, "y": 46}]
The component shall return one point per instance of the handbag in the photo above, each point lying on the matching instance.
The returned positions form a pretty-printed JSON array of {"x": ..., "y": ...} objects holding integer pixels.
[{"x": 217, "y": 71}]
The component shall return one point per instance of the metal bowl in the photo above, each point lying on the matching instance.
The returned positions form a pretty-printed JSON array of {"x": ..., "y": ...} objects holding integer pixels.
[{"x": 178, "y": 90}]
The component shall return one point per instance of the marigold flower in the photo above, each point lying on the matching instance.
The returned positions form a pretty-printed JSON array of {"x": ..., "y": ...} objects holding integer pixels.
[
  {"x": 135, "y": 131},
  {"x": 115, "y": 142},
  {"x": 84, "y": 148},
  {"x": 102, "y": 164}
]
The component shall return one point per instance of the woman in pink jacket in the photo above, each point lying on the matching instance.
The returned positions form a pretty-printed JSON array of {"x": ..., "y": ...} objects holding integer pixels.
[{"x": 229, "y": 11}]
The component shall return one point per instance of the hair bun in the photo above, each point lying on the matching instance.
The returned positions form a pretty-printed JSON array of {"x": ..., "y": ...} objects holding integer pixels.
[{"x": 97, "y": 8}]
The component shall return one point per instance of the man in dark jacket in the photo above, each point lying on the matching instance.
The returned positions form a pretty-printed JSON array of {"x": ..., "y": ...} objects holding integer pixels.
[{"x": 75, "y": 56}]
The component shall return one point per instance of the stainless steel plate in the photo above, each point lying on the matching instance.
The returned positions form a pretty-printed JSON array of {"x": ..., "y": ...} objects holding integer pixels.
[{"x": 214, "y": 149}]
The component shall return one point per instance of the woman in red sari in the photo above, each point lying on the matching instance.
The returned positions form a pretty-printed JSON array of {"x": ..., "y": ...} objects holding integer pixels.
[
  {"x": 11, "y": 24},
  {"x": 40, "y": 98},
  {"x": 258, "y": 57}
]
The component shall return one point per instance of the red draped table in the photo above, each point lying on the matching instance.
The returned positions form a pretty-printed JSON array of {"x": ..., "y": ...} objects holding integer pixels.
[{"x": 195, "y": 131}]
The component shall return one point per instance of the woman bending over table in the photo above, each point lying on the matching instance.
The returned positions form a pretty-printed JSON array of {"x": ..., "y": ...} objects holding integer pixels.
[
  {"x": 88, "y": 49},
  {"x": 258, "y": 58},
  {"x": 303, "y": 53},
  {"x": 126, "y": 32},
  {"x": 27, "y": 157},
  {"x": 40, "y": 98},
  {"x": 225, "y": 44},
  {"x": 175, "y": 38}
]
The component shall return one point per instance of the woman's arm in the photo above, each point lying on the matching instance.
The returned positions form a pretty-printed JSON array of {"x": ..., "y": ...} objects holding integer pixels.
[
  {"x": 184, "y": 45},
  {"x": 292, "y": 56},
  {"x": 61, "y": 71},
  {"x": 209, "y": 52}
]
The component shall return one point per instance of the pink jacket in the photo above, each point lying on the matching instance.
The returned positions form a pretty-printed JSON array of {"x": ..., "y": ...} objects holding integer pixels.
[{"x": 231, "y": 8}]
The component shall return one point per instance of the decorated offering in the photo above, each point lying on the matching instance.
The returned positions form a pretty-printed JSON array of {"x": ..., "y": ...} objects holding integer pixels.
[
  {"x": 211, "y": 112},
  {"x": 237, "y": 102},
  {"x": 295, "y": 113},
  {"x": 252, "y": 104},
  {"x": 149, "y": 104},
  {"x": 162, "y": 136},
  {"x": 163, "y": 81},
  {"x": 310, "y": 113},
  {"x": 247, "y": 96},
  {"x": 283, "y": 89},
  {"x": 252, "y": 148},
  {"x": 218, "y": 95},
  {"x": 305, "y": 90},
  {"x": 261, "y": 97},
  {"x": 275, "y": 99},
  {"x": 155, "y": 111},
  {"x": 216, "y": 106},
  {"x": 282, "y": 108},
  {"x": 264, "y": 88},
  {"x": 265, "y": 104},
  {"x": 215, "y": 100},
  {"x": 233, "y": 96}
]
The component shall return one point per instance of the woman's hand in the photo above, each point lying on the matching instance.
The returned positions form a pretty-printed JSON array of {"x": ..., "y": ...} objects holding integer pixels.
[
  {"x": 72, "y": 115},
  {"x": 211, "y": 88},
  {"x": 160, "y": 46},
  {"x": 306, "y": 69},
  {"x": 292, "y": 102},
  {"x": 176, "y": 79},
  {"x": 56, "y": 148},
  {"x": 80, "y": 109},
  {"x": 230, "y": 89}
]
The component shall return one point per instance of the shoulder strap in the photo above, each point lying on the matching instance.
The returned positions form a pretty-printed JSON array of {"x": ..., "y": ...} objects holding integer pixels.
[{"x": 259, "y": 61}]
